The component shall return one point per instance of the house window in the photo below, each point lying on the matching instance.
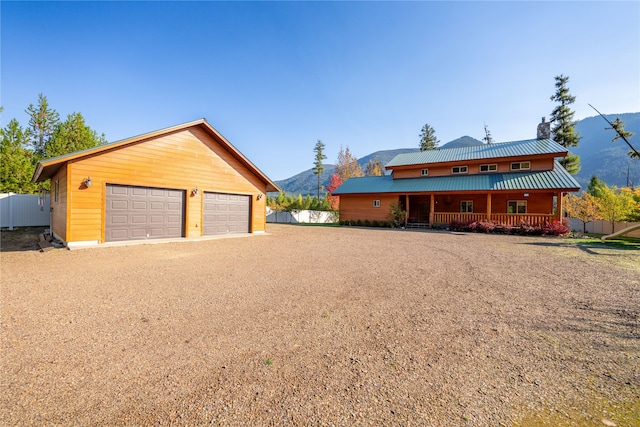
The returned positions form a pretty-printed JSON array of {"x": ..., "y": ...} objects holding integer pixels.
[
  {"x": 459, "y": 169},
  {"x": 489, "y": 168},
  {"x": 424, "y": 172},
  {"x": 376, "y": 203},
  {"x": 517, "y": 206},
  {"x": 56, "y": 191},
  {"x": 520, "y": 166},
  {"x": 466, "y": 206}
]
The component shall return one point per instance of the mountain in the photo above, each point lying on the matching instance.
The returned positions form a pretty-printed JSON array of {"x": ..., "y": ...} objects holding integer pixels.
[
  {"x": 463, "y": 141},
  {"x": 607, "y": 160},
  {"x": 307, "y": 183},
  {"x": 598, "y": 156}
]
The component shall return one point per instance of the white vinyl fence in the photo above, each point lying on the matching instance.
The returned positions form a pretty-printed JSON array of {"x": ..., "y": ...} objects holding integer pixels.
[
  {"x": 23, "y": 210},
  {"x": 316, "y": 217},
  {"x": 603, "y": 227}
]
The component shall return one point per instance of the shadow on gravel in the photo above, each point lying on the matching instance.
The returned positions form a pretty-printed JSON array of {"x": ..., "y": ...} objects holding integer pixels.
[
  {"x": 20, "y": 239},
  {"x": 592, "y": 248},
  {"x": 616, "y": 322}
]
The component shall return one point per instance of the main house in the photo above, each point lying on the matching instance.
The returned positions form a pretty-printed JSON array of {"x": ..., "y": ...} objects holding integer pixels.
[
  {"x": 508, "y": 183},
  {"x": 184, "y": 181}
]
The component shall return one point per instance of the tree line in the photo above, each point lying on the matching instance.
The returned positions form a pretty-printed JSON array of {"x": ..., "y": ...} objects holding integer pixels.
[
  {"x": 601, "y": 202},
  {"x": 44, "y": 137}
]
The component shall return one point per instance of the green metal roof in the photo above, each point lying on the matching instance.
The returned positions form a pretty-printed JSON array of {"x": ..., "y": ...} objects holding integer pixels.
[
  {"x": 555, "y": 179},
  {"x": 478, "y": 152}
]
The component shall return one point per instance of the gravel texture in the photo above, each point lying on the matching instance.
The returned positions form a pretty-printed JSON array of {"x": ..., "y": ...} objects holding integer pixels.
[{"x": 325, "y": 326}]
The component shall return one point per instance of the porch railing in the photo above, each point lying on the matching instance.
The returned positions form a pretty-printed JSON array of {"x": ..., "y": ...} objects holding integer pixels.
[{"x": 507, "y": 219}]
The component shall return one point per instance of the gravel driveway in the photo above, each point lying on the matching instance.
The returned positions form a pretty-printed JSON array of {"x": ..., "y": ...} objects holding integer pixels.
[{"x": 323, "y": 326}]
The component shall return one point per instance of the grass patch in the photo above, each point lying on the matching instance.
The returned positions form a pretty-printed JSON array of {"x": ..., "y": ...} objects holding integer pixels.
[
  {"x": 625, "y": 243},
  {"x": 268, "y": 362}
]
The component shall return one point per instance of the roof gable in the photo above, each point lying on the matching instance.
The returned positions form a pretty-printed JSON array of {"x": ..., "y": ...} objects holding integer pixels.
[
  {"x": 479, "y": 152},
  {"x": 45, "y": 169}
]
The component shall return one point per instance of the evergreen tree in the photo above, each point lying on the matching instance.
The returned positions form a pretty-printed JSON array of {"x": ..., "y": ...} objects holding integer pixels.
[
  {"x": 618, "y": 126},
  {"x": 42, "y": 123},
  {"x": 318, "y": 167},
  {"x": 596, "y": 186},
  {"x": 487, "y": 135},
  {"x": 348, "y": 166},
  {"x": 72, "y": 135},
  {"x": 563, "y": 130},
  {"x": 428, "y": 140},
  {"x": 374, "y": 168},
  {"x": 17, "y": 163}
]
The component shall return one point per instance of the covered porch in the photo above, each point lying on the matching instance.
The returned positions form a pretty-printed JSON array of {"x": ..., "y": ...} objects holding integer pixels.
[{"x": 508, "y": 208}]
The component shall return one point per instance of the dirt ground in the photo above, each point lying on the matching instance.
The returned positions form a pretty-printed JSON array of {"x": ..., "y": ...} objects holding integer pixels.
[{"x": 323, "y": 326}]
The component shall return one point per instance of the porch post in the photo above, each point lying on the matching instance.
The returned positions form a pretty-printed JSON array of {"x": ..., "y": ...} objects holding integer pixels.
[
  {"x": 488, "y": 206},
  {"x": 406, "y": 217},
  {"x": 432, "y": 207},
  {"x": 559, "y": 206}
]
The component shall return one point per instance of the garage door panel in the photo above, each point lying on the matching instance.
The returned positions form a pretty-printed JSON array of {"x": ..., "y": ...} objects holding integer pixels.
[
  {"x": 119, "y": 204},
  {"x": 143, "y": 213},
  {"x": 225, "y": 213},
  {"x": 118, "y": 190}
]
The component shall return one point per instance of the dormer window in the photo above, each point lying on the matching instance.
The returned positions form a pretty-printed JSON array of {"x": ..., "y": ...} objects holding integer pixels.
[
  {"x": 517, "y": 166},
  {"x": 459, "y": 169},
  {"x": 489, "y": 168},
  {"x": 424, "y": 172}
]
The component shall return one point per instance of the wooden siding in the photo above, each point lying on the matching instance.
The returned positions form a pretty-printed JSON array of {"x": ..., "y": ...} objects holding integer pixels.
[
  {"x": 355, "y": 207},
  {"x": 444, "y": 169},
  {"x": 59, "y": 207},
  {"x": 182, "y": 160}
]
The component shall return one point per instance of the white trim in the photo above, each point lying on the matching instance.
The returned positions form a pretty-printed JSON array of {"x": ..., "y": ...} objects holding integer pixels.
[
  {"x": 489, "y": 169},
  {"x": 520, "y": 167},
  {"x": 466, "y": 170}
]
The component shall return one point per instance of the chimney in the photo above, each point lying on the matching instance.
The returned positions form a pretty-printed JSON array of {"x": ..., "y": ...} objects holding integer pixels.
[{"x": 544, "y": 129}]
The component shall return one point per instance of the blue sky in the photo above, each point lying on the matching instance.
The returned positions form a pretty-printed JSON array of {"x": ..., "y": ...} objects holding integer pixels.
[{"x": 274, "y": 77}]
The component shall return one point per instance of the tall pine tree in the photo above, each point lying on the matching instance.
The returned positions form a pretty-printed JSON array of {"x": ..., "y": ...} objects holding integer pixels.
[
  {"x": 318, "y": 167},
  {"x": 72, "y": 135},
  {"x": 43, "y": 121},
  {"x": 564, "y": 132},
  {"x": 428, "y": 140}
]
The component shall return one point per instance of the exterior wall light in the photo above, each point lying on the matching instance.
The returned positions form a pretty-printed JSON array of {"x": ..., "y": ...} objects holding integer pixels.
[
  {"x": 87, "y": 182},
  {"x": 194, "y": 191},
  {"x": 259, "y": 197}
]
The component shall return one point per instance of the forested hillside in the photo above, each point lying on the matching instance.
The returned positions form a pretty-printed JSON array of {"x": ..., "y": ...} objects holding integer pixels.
[{"x": 608, "y": 160}]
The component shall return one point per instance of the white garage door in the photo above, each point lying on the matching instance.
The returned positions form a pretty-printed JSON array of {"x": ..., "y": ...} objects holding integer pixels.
[
  {"x": 135, "y": 213},
  {"x": 225, "y": 213}
]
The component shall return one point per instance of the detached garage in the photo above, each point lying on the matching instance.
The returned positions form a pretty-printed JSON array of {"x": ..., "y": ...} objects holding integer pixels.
[{"x": 185, "y": 181}]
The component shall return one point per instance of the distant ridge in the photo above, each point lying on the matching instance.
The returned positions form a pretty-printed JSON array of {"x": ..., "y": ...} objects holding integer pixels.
[
  {"x": 463, "y": 141},
  {"x": 598, "y": 156}
]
